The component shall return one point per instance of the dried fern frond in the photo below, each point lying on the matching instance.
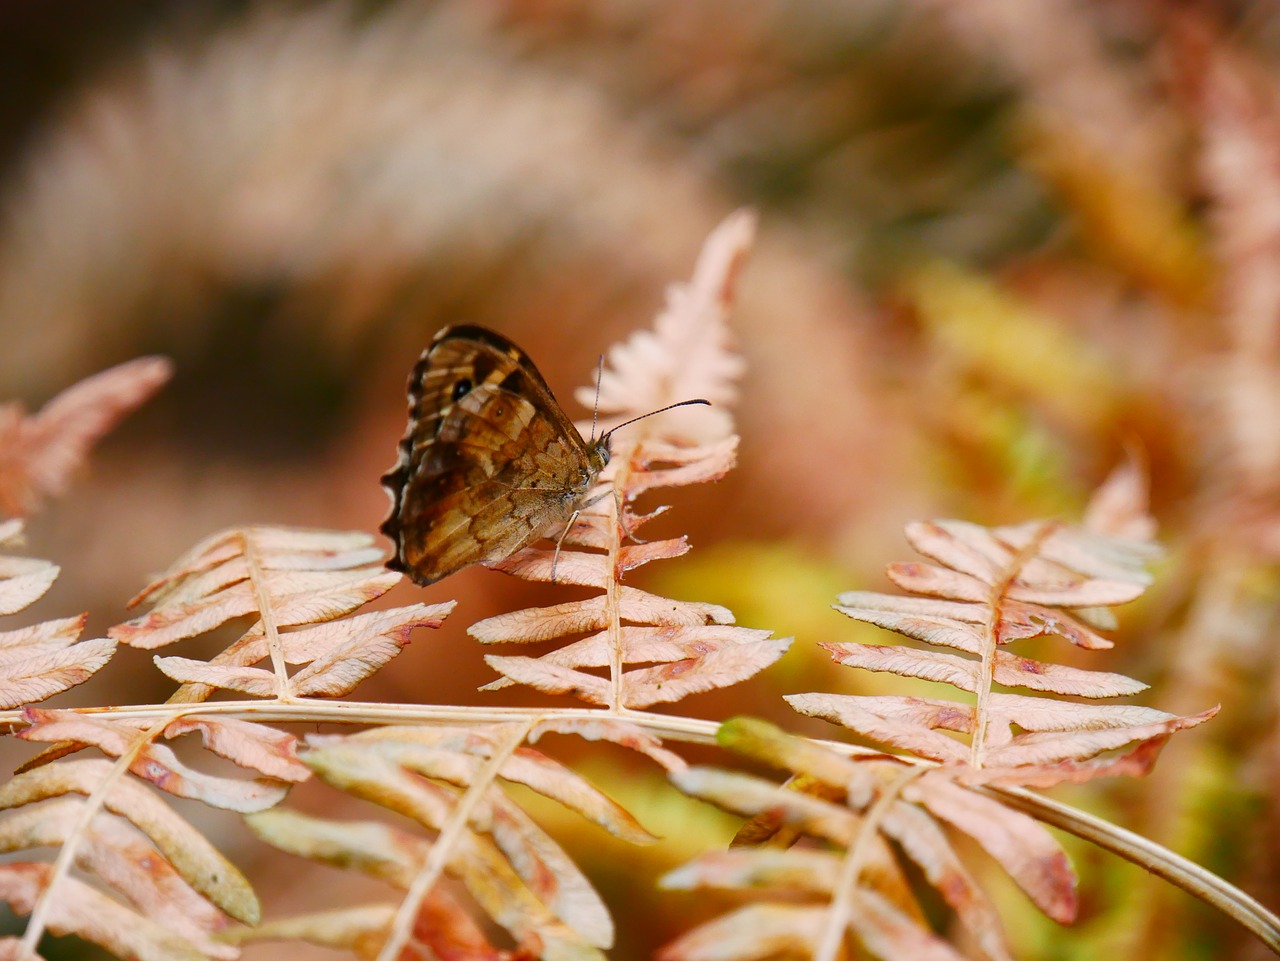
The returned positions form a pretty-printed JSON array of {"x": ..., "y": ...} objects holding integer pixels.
[
  {"x": 40, "y": 452},
  {"x": 174, "y": 890},
  {"x": 985, "y": 589},
  {"x": 43, "y": 659},
  {"x": 693, "y": 646},
  {"x": 287, "y": 578},
  {"x": 446, "y": 779},
  {"x": 858, "y": 819},
  {"x": 296, "y": 584}
]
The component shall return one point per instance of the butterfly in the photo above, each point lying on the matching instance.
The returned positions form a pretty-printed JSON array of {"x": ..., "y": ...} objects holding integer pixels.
[{"x": 489, "y": 461}]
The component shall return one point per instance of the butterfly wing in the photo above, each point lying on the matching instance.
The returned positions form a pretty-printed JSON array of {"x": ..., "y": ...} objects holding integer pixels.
[{"x": 489, "y": 461}]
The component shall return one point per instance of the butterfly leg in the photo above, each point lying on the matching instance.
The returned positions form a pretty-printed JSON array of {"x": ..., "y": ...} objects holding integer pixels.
[{"x": 555, "y": 558}]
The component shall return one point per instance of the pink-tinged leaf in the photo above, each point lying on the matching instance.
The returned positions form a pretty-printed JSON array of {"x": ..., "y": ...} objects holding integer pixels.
[
  {"x": 1090, "y": 593},
  {"x": 641, "y": 607},
  {"x": 1021, "y": 845},
  {"x": 278, "y": 548},
  {"x": 298, "y": 598},
  {"x": 907, "y": 661},
  {"x": 1014, "y": 671},
  {"x": 962, "y": 547},
  {"x": 307, "y": 597},
  {"x": 924, "y": 842},
  {"x": 194, "y": 587},
  {"x": 1099, "y": 556},
  {"x": 535, "y": 624},
  {"x": 929, "y": 712},
  {"x": 547, "y": 870},
  {"x": 551, "y": 678},
  {"x": 755, "y": 933},
  {"x": 1050, "y": 714},
  {"x": 348, "y": 651},
  {"x": 154, "y": 762},
  {"x": 87, "y": 913},
  {"x": 764, "y": 869},
  {"x": 618, "y": 732},
  {"x": 1048, "y": 748},
  {"x": 931, "y": 630},
  {"x": 749, "y": 796},
  {"x": 1033, "y": 620},
  {"x": 455, "y": 755},
  {"x": 1119, "y": 508},
  {"x": 889, "y": 934},
  {"x": 374, "y": 849},
  {"x": 53, "y": 635},
  {"x": 165, "y": 625},
  {"x": 641, "y": 644},
  {"x": 39, "y": 454},
  {"x": 968, "y": 612},
  {"x": 632, "y": 556},
  {"x": 934, "y": 581},
  {"x": 555, "y": 781},
  {"x": 721, "y": 668},
  {"x": 326, "y": 641},
  {"x": 255, "y": 746},
  {"x": 38, "y": 676},
  {"x": 198, "y": 861},
  {"x": 574, "y": 617},
  {"x": 23, "y": 581},
  {"x": 159, "y": 765},
  {"x": 571, "y": 567},
  {"x": 654, "y": 452},
  {"x": 253, "y": 681},
  {"x": 125, "y": 861},
  {"x": 905, "y": 734},
  {"x": 1135, "y": 762},
  {"x": 716, "y": 461},
  {"x": 113, "y": 737}
]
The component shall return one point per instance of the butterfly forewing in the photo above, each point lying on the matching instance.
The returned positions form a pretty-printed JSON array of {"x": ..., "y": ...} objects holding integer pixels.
[{"x": 489, "y": 461}]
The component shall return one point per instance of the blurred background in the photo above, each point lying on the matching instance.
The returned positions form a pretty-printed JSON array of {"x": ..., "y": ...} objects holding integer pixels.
[{"x": 1002, "y": 245}]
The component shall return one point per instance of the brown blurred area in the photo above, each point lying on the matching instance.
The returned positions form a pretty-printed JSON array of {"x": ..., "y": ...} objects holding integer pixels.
[{"x": 1000, "y": 244}]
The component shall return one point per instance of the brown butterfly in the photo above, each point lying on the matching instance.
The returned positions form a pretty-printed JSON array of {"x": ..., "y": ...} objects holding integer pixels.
[{"x": 489, "y": 462}]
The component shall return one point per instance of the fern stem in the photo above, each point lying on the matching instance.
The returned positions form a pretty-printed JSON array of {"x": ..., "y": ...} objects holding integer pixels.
[
  {"x": 71, "y": 845},
  {"x": 991, "y": 637},
  {"x": 450, "y": 832},
  {"x": 612, "y": 599},
  {"x": 257, "y": 577},
  {"x": 842, "y": 906}
]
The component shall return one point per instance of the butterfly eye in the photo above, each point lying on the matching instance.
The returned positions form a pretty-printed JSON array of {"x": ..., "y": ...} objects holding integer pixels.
[{"x": 461, "y": 389}]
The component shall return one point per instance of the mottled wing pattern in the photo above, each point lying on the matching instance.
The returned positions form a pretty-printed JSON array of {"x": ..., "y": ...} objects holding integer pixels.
[{"x": 489, "y": 461}]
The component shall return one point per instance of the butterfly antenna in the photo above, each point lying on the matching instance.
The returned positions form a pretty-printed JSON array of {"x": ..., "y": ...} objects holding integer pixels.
[
  {"x": 595, "y": 410},
  {"x": 660, "y": 410}
]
